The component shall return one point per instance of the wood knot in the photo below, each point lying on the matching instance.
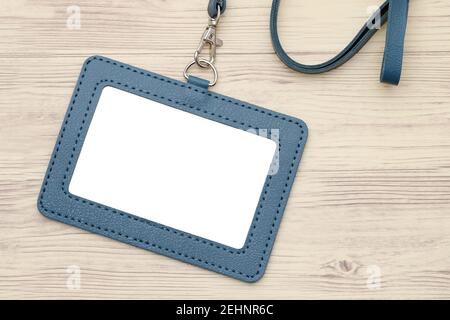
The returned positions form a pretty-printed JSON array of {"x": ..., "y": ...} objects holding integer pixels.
[{"x": 345, "y": 267}]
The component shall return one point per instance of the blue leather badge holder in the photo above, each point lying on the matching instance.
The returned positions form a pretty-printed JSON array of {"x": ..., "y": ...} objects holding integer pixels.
[{"x": 246, "y": 260}]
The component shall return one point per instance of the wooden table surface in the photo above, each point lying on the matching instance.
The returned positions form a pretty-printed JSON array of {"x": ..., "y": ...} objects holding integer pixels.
[{"x": 369, "y": 213}]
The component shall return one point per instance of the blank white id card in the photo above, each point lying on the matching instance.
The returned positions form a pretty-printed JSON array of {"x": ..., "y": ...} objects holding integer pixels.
[{"x": 172, "y": 168}]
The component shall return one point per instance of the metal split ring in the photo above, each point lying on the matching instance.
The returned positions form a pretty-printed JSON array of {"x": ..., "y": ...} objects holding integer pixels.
[{"x": 205, "y": 64}]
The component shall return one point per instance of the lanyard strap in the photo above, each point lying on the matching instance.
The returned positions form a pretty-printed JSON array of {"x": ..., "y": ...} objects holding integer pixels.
[{"x": 394, "y": 12}]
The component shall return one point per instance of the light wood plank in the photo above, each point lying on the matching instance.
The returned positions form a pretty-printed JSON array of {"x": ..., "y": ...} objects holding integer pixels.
[{"x": 373, "y": 188}]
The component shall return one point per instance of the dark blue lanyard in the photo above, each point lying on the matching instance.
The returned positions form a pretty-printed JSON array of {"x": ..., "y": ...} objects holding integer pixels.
[{"x": 394, "y": 12}]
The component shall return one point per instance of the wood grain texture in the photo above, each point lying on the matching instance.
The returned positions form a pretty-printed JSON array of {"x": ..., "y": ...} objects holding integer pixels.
[{"x": 373, "y": 189}]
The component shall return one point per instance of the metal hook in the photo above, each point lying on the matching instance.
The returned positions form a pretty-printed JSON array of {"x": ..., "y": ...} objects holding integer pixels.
[{"x": 209, "y": 38}]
